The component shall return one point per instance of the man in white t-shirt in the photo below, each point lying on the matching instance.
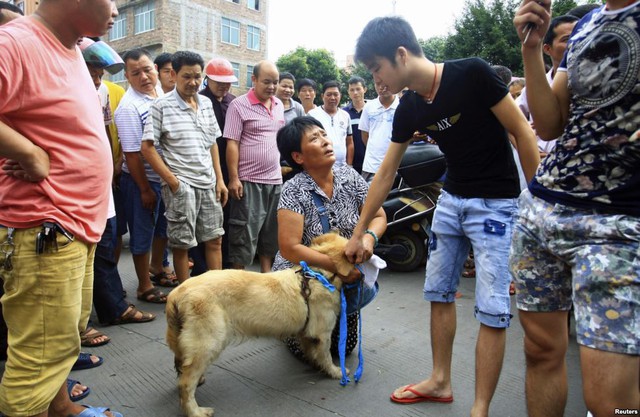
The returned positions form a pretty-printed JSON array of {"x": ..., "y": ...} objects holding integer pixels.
[
  {"x": 376, "y": 124},
  {"x": 336, "y": 122}
]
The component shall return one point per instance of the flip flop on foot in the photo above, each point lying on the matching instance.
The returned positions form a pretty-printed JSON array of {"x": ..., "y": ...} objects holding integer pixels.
[
  {"x": 133, "y": 315},
  {"x": 98, "y": 412},
  {"x": 419, "y": 397},
  {"x": 87, "y": 361},
  {"x": 76, "y": 390},
  {"x": 153, "y": 295},
  {"x": 91, "y": 337}
]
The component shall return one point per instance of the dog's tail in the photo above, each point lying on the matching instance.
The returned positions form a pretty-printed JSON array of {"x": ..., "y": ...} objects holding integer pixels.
[{"x": 174, "y": 327}]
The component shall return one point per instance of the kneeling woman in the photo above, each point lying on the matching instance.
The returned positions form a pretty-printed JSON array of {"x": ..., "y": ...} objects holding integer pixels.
[{"x": 304, "y": 144}]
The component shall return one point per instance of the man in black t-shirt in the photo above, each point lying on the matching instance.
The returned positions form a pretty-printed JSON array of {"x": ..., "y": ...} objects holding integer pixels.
[{"x": 465, "y": 107}]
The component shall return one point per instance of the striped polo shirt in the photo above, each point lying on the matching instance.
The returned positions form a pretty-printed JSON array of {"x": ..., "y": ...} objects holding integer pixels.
[
  {"x": 130, "y": 118},
  {"x": 254, "y": 126},
  {"x": 185, "y": 137}
]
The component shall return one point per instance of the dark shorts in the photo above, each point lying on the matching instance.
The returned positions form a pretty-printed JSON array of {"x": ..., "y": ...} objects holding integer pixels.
[{"x": 253, "y": 224}]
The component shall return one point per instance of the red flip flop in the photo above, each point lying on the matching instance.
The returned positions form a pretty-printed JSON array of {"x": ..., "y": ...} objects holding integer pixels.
[{"x": 419, "y": 397}]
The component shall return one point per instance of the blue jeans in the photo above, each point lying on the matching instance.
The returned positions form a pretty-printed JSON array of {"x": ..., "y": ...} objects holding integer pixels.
[
  {"x": 108, "y": 298},
  {"x": 143, "y": 224},
  {"x": 486, "y": 225}
]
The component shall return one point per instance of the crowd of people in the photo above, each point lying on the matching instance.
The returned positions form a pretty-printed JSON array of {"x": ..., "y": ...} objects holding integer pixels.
[{"x": 542, "y": 187}]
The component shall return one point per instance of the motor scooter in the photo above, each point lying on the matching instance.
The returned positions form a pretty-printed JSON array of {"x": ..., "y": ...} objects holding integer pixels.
[{"x": 409, "y": 207}]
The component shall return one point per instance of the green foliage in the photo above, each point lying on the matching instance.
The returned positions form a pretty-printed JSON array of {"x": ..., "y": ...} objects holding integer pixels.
[
  {"x": 433, "y": 48},
  {"x": 561, "y": 7},
  {"x": 316, "y": 64},
  {"x": 359, "y": 70},
  {"x": 485, "y": 30}
]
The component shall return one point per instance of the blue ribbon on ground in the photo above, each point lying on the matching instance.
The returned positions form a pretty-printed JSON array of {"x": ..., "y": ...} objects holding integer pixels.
[{"x": 342, "y": 341}]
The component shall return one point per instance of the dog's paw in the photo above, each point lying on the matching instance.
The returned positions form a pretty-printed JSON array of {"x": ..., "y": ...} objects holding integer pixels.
[
  {"x": 335, "y": 372},
  {"x": 202, "y": 412}
]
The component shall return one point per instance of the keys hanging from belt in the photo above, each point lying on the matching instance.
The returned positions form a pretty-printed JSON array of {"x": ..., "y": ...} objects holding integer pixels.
[{"x": 7, "y": 248}]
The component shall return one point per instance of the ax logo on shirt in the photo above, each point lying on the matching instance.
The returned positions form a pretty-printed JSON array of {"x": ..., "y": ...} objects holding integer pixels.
[{"x": 444, "y": 124}]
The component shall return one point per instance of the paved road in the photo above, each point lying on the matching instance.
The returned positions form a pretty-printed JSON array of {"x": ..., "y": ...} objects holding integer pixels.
[{"x": 260, "y": 377}]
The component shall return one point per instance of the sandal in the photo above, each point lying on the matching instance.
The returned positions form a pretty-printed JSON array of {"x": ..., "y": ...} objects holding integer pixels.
[
  {"x": 90, "y": 334},
  {"x": 164, "y": 279},
  {"x": 133, "y": 315},
  {"x": 153, "y": 295},
  {"x": 71, "y": 383},
  {"x": 84, "y": 361},
  {"x": 470, "y": 273}
]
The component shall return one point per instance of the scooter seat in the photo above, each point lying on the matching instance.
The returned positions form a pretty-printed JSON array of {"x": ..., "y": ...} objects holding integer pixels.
[{"x": 422, "y": 164}]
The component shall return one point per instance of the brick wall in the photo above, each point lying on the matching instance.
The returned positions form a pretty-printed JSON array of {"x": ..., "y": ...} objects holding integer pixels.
[{"x": 195, "y": 25}]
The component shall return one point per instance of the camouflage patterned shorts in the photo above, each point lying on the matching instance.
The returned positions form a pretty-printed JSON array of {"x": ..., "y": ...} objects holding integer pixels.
[{"x": 560, "y": 252}]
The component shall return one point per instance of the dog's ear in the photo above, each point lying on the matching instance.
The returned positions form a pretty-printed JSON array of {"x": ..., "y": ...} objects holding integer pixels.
[
  {"x": 332, "y": 244},
  {"x": 343, "y": 266}
]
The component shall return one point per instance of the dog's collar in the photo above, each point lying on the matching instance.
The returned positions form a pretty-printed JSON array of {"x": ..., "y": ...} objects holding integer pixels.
[
  {"x": 309, "y": 273},
  {"x": 306, "y": 275}
]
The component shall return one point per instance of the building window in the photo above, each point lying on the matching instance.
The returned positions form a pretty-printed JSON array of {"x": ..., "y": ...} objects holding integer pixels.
[
  {"x": 253, "y": 38},
  {"x": 119, "y": 29},
  {"x": 230, "y": 31},
  {"x": 236, "y": 72},
  {"x": 253, "y": 4},
  {"x": 145, "y": 17},
  {"x": 249, "y": 74}
]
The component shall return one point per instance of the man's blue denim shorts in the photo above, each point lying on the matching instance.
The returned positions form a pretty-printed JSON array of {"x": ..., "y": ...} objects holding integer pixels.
[
  {"x": 143, "y": 224},
  {"x": 486, "y": 225}
]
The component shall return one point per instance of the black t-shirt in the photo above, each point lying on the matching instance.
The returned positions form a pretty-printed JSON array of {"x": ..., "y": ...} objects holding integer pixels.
[{"x": 475, "y": 144}]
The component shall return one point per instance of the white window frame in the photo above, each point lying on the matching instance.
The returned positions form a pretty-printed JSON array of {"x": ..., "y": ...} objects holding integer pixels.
[
  {"x": 230, "y": 26},
  {"x": 236, "y": 72},
  {"x": 253, "y": 4},
  {"x": 144, "y": 18},
  {"x": 119, "y": 29},
  {"x": 249, "y": 74},
  {"x": 253, "y": 38}
]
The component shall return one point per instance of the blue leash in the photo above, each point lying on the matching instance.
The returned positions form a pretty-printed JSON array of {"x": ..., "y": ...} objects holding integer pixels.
[
  {"x": 342, "y": 342},
  {"x": 310, "y": 273}
]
